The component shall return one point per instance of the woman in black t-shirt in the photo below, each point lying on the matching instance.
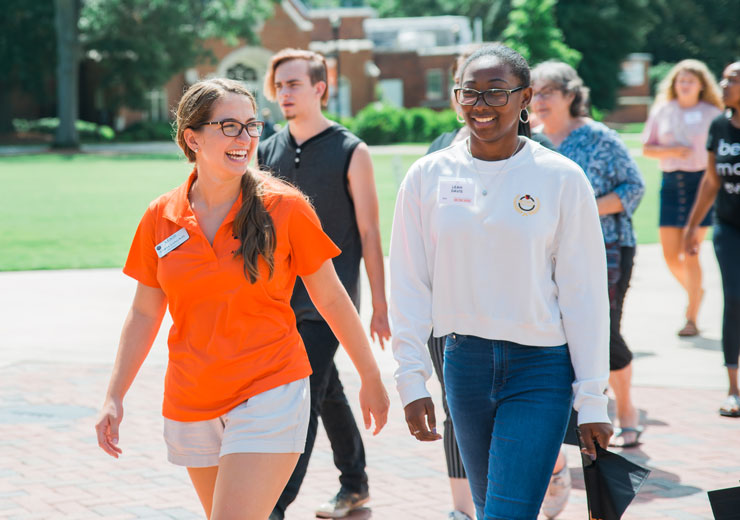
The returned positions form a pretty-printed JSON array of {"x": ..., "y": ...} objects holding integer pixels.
[{"x": 722, "y": 182}]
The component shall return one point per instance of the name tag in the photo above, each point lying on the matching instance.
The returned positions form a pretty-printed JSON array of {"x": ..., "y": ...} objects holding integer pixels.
[
  {"x": 692, "y": 118},
  {"x": 171, "y": 242},
  {"x": 459, "y": 192}
]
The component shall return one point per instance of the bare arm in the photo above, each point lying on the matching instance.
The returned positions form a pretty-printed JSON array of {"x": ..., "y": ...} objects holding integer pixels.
[
  {"x": 708, "y": 189},
  {"x": 655, "y": 151},
  {"x": 365, "y": 198},
  {"x": 609, "y": 204},
  {"x": 139, "y": 330},
  {"x": 332, "y": 301}
]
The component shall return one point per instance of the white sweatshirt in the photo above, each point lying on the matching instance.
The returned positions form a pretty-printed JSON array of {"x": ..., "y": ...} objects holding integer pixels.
[{"x": 524, "y": 263}]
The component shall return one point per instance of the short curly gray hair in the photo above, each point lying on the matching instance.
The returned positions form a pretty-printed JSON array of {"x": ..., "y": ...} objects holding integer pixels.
[{"x": 565, "y": 78}]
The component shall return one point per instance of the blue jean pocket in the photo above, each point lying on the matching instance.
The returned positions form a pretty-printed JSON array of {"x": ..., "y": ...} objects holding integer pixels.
[{"x": 453, "y": 341}]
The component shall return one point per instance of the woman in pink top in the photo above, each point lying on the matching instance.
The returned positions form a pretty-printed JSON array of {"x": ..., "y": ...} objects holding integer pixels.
[{"x": 676, "y": 134}]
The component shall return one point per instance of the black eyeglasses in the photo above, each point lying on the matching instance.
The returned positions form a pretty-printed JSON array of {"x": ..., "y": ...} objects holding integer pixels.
[
  {"x": 493, "y": 97},
  {"x": 234, "y": 128}
]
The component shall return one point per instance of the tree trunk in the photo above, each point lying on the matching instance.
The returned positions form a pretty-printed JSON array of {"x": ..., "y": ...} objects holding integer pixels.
[
  {"x": 6, "y": 125},
  {"x": 66, "y": 17}
]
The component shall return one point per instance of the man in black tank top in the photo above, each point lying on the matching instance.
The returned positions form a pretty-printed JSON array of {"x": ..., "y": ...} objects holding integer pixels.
[{"x": 333, "y": 168}]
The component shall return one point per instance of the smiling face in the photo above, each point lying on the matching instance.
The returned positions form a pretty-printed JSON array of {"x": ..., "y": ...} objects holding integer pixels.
[
  {"x": 216, "y": 153},
  {"x": 730, "y": 85},
  {"x": 550, "y": 103},
  {"x": 490, "y": 124},
  {"x": 293, "y": 89},
  {"x": 687, "y": 87}
]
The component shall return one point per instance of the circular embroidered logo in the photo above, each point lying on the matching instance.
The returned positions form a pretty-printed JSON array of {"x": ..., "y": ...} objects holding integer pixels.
[{"x": 526, "y": 204}]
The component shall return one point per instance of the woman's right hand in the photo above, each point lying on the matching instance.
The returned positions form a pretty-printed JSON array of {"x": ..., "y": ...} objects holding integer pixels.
[
  {"x": 691, "y": 240},
  {"x": 374, "y": 402},
  {"x": 419, "y": 415},
  {"x": 107, "y": 426}
]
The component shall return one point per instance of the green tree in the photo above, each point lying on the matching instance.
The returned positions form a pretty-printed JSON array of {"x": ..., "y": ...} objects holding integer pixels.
[
  {"x": 140, "y": 44},
  {"x": 604, "y": 32},
  {"x": 27, "y": 52},
  {"x": 493, "y": 13},
  {"x": 706, "y": 31},
  {"x": 533, "y": 33}
]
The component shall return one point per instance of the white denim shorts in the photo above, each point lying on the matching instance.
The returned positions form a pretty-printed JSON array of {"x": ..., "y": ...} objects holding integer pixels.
[{"x": 274, "y": 421}]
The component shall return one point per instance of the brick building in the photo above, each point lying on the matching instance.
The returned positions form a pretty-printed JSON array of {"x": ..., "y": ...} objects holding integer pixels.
[{"x": 405, "y": 61}]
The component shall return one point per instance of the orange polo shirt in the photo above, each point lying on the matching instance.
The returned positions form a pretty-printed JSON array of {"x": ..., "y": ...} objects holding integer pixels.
[{"x": 230, "y": 339}]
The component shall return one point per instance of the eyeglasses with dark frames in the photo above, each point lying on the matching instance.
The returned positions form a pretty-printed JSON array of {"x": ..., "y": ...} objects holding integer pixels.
[
  {"x": 234, "y": 128},
  {"x": 493, "y": 97}
]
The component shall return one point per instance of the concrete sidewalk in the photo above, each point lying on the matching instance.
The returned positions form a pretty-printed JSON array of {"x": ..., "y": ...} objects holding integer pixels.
[{"x": 58, "y": 336}]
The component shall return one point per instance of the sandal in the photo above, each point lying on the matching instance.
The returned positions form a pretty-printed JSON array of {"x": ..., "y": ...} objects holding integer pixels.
[
  {"x": 688, "y": 330},
  {"x": 730, "y": 407},
  {"x": 620, "y": 433}
]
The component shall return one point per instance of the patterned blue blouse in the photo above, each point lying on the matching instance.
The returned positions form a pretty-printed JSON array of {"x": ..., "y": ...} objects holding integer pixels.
[{"x": 610, "y": 168}]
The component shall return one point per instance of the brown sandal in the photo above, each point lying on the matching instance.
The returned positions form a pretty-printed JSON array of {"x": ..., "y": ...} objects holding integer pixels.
[{"x": 688, "y": 330}]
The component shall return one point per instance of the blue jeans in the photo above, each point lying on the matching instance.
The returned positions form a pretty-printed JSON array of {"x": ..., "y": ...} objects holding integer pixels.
[{"x": 510, "y": 406}]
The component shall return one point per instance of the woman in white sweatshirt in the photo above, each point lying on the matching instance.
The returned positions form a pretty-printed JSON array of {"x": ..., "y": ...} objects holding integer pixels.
[{"x": 497, "y": 243}]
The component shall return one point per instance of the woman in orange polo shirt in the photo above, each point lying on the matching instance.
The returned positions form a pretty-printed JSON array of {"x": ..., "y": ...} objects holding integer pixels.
[{"x": 223, "y": 251}]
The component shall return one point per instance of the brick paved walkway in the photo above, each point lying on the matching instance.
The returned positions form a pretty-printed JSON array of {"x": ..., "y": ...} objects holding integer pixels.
[
  {"x": 50, "y": 466},
  {"x": 56, "y": 355}
]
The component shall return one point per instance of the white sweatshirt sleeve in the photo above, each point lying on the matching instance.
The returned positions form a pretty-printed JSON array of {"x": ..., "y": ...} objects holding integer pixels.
[
  {"x": 410, "y": 294},
  {"x": 580, "y": 275}
]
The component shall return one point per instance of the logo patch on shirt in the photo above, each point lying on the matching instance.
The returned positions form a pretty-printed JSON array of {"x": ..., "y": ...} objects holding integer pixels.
[{"x": 526, "y": 204}]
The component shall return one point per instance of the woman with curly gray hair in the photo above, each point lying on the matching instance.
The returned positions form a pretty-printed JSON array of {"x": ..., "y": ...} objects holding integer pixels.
[{"x": 561, "y": 102}]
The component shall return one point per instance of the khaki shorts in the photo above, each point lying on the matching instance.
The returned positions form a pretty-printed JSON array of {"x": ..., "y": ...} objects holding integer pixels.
[{"x": 274, "y": 421}]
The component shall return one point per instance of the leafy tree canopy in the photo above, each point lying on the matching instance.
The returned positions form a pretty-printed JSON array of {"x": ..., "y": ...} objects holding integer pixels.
[
  {"x": 605, "y": 32},
  {"x": 705, "y": 30},
  {"x": 27, "y": 44},
  {"x": 140, "y": 44},
  {"x": 533, "y": 33}
]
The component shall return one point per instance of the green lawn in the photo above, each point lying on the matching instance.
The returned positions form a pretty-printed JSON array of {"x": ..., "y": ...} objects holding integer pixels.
[{"x": 78, "y": 211}]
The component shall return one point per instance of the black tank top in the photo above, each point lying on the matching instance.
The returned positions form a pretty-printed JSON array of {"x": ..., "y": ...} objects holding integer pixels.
[{"x": 318, "y": 167}]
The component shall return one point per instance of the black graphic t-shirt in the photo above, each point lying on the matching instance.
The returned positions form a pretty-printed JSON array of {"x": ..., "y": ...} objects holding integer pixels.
[{"x": 724, "y": 141}]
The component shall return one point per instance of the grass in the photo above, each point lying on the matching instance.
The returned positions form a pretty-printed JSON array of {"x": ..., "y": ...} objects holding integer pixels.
[{"x": 81, "y": 211}]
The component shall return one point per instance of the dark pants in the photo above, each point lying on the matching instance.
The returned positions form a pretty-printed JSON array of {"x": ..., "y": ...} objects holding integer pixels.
[
  {"x": 620, "y": 261},
  {"x": 329, "y": 402},
  {"x": 455, "y": 468},
  {"x": 727, "y": 248}
]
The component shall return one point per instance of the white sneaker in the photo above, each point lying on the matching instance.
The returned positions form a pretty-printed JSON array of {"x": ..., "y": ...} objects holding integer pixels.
[
  {"x": 458, "y": 515},
  {"x": 557, "y": 493}
]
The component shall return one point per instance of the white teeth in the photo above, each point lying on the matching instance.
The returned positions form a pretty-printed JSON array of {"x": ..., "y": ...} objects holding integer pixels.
[
  {"x": 237, "y": 154},
  {"x": 483, "y": 119}
]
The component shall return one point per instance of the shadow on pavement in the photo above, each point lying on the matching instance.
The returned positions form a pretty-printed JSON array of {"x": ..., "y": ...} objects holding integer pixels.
[
  {"x": 660, "y": 484},
  {"x": 702, "y": 343}
]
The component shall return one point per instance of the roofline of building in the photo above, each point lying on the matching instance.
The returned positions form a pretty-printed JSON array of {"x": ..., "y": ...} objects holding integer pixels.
[
  {"x": 330, "y": 46},
  {"x": 298, "y": 12},
  {"x": 344, "y": 12},
  {"x": 417, "y": 21}
]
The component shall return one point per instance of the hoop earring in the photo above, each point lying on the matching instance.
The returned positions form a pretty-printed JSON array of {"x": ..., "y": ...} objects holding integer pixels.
[
  {"x": 524, "y": 111},
  {"x": 459, "y": 118}
]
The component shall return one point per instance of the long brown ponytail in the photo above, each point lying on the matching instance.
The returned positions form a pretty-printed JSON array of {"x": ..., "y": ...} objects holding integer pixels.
[
  {"x": 255, "y": 228},
  {"x": 253, "y": 225}
]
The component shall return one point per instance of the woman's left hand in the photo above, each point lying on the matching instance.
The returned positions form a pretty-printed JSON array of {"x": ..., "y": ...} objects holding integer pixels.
[
  {"x": 374, "y": 402},
  {"x": 599, "y": 432}
]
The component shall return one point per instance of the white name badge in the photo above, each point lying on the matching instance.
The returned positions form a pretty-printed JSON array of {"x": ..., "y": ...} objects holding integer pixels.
[
  {"x": 460, "y": 192},
  {"x": 692, "y": 118},
  {"x": 171, "y": 242}
]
